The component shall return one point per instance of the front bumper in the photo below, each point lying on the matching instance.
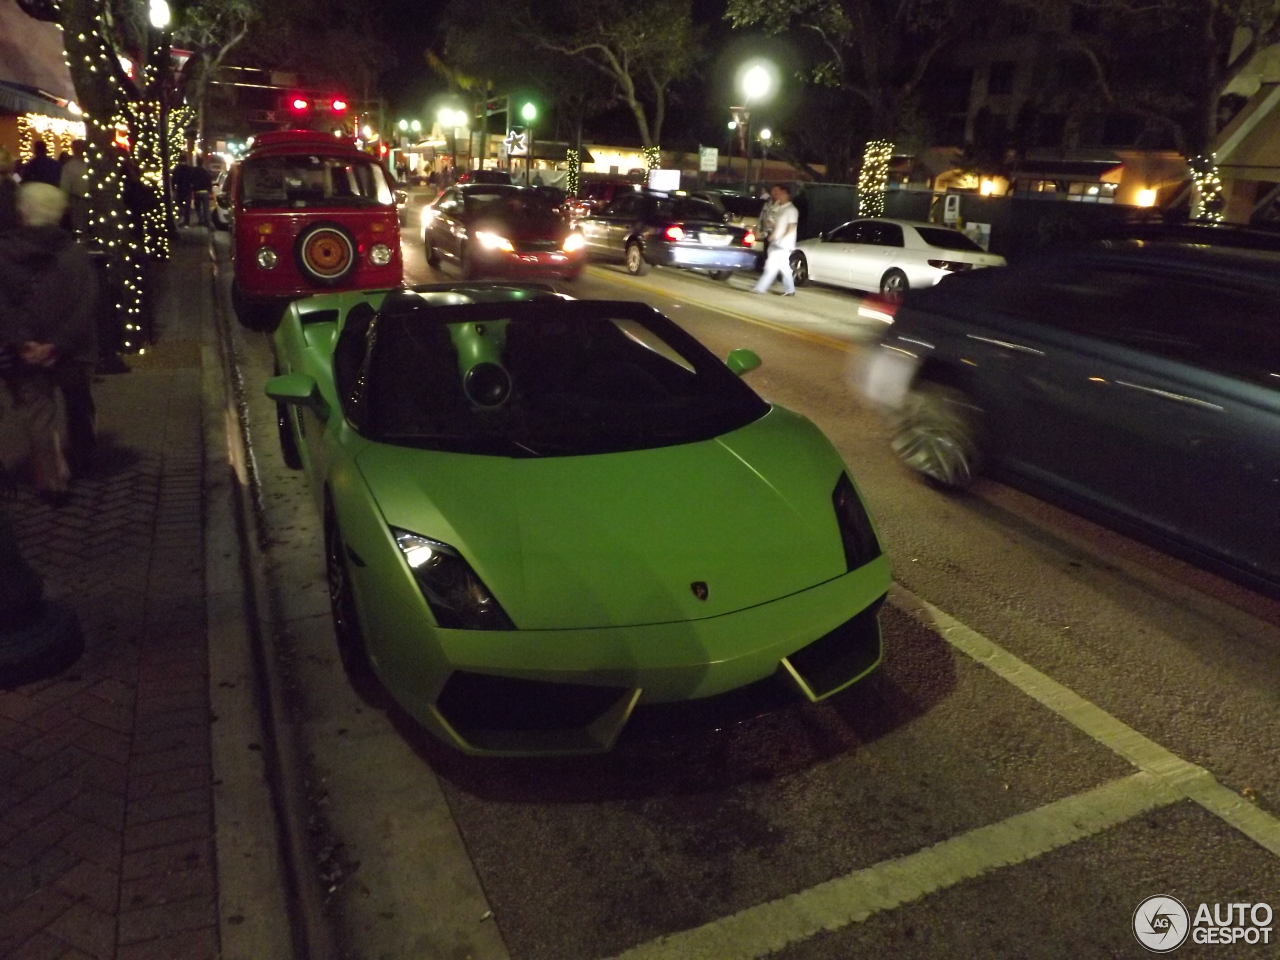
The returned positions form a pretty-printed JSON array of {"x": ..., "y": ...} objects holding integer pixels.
[
  {"x": 540, "y": 263},
  {"x": 698, "y": 257},
  {"x": 573, "y": 691}
]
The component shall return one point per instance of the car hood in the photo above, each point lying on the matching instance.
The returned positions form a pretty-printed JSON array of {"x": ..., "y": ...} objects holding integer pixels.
[{"x": 620, "y": 539}]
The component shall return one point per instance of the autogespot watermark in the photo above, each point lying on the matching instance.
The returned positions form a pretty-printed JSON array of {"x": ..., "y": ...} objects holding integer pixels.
[{"x": 1162, "y": 924}]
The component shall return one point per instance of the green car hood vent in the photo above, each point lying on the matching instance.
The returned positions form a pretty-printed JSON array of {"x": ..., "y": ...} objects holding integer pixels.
[{"x": 627, "y": 539}]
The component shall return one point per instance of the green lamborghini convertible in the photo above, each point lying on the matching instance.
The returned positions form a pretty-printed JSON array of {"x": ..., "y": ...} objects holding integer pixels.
[{"x": 540, "y": 512}]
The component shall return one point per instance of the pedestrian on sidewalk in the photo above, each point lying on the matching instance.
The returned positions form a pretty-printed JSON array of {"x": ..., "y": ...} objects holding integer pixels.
[
  {"x": 75, "y": 184},
  {"x": 182, "y": 190},
  {"x": 41, "y": 168},
  {"x": 782, "y": 242},
  {"x": 48, "y": 294},
  {"x": 202, "y": 187}
]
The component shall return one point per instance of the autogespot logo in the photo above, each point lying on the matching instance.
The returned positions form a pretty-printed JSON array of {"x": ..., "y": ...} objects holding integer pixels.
[{"x": 1161, "y": 923}]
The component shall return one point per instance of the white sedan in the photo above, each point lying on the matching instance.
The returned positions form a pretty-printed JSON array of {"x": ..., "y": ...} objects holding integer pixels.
[{"x": 890, "y": 256}]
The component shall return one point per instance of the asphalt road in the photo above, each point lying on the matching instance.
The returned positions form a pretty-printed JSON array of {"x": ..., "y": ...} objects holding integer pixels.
[{"x": 1066, "y": 723}]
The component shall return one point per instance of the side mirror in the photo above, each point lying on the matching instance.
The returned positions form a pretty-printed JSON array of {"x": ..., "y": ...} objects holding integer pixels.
[
  {"x": 224, "y": 201},
  {"x": 728, "y": 217},
  {"x": 402, "y": 197},
  {"x": 300, "y": 389},
  {"x": 823, "y": 236},
  {"x": 742, "y": 361}
]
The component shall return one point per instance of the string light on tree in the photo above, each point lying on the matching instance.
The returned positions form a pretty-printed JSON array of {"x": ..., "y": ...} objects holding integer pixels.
[
  {"x": 873, "y": 180},
  {"x": 56, "y": 132},
  {"x": 574, "y": 164},
  {"x": 1208, "y": 189},
  {"x": 652, "y": 158}
]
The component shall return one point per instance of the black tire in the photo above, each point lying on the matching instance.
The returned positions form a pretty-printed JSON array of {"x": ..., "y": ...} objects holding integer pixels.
[
  {"x": 799, "y": 268},
  {"x": 938, "y": 434},
  {"x": 288, "y": 442},
  {"x": 342, "y": 602},
  {"x": 636, "y": 265},
  {"x": 721, "y": 275},
  {"x": 465, "y": 265},
  {"x": 573, "y": 277},
  {"x": 894, "y": 286},
  {"x": 433, "y": 255},
  {"x": 260, "y": 316}
]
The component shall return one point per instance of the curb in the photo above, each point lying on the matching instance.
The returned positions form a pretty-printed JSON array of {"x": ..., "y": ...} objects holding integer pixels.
[{"x": 270, "y": 905}]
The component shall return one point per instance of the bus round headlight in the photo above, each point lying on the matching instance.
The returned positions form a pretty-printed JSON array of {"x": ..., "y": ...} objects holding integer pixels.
[
  {"x": 379, "y": 254},
  {"x": 267, "y": 258}
]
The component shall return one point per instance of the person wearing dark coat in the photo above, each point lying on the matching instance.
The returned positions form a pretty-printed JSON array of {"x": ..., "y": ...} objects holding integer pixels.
[
  {"x": 48, "y": 292},
  {"x": 41, "y": 168},
  {"x": 182, "y": 191},
  {"x": 202, "y": 187},
  {"x": 8, "y": 192}
]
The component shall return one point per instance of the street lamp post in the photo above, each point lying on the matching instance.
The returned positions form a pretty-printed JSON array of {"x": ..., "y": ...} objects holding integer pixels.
[
  {"x": 529, "y": 113},
  {"x": 766, "y": 137},
  {"x": 756, "y": 82},
  {"x": 161, "y": 20}
]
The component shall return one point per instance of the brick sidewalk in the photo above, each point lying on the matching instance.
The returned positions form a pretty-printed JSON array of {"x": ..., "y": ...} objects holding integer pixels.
[{"x": 106, "y": 821}]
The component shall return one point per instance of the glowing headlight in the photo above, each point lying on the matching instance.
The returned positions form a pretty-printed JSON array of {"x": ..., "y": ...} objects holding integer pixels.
[
  {"x": 574, "y": 242},
  {"x": 458, "y": 598},
  {"x": 379, "y": 254},
  {"x": 493, "y": 241},
  {"x": 267, "y": 258},
  {"x": 428, "y": 214}
]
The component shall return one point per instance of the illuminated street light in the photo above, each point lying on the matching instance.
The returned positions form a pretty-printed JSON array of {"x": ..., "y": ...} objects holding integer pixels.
[
  {"x": 766, "y": 135},
  {"x": 733, "y": 124},
  {"x": 160, "y": 15},
  {"x": 756, "y": 83},
  {"x": 403, "y": 125},
  {"x": 529, "y": 112},
  {"x": 416, "y": 126},
  {"x": 367, "y": 131}
]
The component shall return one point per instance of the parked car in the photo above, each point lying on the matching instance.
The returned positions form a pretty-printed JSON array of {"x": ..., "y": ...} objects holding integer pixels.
[
  {"x": 500, "y": 177},
  {"x": 540, "y": 512},
  {"x": 646, "y": 228},
  {"x": 309, "y": 212},
  {"x": 888, "y": 256},
  {"x": 742, "y": 208},
  {"x": 501, "y": 230},
  {"x": 220, "y": 205},
  {"x": 1141, "y": 383}
]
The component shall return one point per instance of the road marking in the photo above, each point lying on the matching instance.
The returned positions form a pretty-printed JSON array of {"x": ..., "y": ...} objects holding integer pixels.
[
  {"x": 761, "y": 930},
  {"x": 1163, "y": 778},
  {"x": 1194, "y": 781},
  {"x": 823, "y": 340}
]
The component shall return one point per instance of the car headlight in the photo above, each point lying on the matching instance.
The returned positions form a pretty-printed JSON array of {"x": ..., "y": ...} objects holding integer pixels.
[
  {"x": 267, "y": 258},
  {"x": 458, "y": 598},
  {"x": 574, "y": 242},
  {"x": 494, "y": 241},
  {"x": 428, "y": 214},
  {"x": 379, "y": 254},
  {"x": 856, "y": 533}
]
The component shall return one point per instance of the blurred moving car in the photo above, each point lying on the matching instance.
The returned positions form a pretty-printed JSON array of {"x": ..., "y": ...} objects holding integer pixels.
[
  {"x": 541, "y": 512},
  {"x": 502, "y": 230},
  {"x": 309, "y": 212},
  {"x": 594, "y": 195},
  {"x": 1143, "y": 383},
  {"x": 500, "y": 177},
  {"x": 888, "y": 256},
  {"x": 645, "y": 228}
]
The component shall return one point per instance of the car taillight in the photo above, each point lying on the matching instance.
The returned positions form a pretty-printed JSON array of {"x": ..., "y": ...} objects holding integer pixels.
[
  {"x": 749, "y": 239},
  {"x": 873, "y": 308},
  {"x": 954, "y": 265},
  {"x": 674, "y": 232}
]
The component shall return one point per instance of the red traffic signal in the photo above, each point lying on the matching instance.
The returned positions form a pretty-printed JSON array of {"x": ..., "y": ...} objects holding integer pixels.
[{"x": 339, "y": 105}]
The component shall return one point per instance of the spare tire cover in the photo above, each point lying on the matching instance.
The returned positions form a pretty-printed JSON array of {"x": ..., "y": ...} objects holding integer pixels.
[{"x": 326, "y": 253}]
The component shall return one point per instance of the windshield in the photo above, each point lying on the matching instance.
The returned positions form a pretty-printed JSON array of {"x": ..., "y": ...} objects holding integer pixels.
[
  {"x": 313, "y": 181},
  {"x": 512, "y": 205},
  {"x": 546, "y": 378},
  {"x": 947, "y": 239}
]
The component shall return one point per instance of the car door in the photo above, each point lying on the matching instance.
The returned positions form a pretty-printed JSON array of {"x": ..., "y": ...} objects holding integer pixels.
[
  {"x": 829, "y": 259},
  {"x": 880, "y": 244},
  {"x": 595, "y": 229},
  {"x": 859, "y": 256},
  {"x": 629, "y": 210},
  {"x": 446, "y": 223}
]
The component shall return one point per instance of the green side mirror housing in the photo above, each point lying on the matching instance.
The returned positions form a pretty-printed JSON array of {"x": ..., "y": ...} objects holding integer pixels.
[
  {"x": 742, "y": 361},
  {"x": 298, "y": 388}
]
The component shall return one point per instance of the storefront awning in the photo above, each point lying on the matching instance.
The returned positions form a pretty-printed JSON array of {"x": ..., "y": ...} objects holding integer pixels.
[{"x": 19, "y": 99}]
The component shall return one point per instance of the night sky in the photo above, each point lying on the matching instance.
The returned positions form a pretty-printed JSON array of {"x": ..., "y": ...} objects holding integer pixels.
[{"x": 697, "y": 110}]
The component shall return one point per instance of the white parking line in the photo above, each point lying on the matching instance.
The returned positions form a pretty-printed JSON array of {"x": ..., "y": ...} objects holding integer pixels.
[
  {"x": 765, "y": 929},
  {"x": 1194, "y": 781},
  {"x": 1163, "y": 778}
]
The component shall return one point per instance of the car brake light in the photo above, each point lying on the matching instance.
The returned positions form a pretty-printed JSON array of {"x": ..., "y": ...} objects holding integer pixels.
[
  {"x": 954, "y": 265},
  {"x": 339, "y": 106},
  {"x": 674, "y": 232},
  {"x": 749, "y": 239},
  {"x": 300, "y": 104}
]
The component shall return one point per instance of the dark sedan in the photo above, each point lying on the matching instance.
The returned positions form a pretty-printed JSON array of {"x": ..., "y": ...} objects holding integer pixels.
[
  {"x": 1141, "y": 384},
  {"x": 502, "y": 230},
  {"x": 642, "y": 229}
]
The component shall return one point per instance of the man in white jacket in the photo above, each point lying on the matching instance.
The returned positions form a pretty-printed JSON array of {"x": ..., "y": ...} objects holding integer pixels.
[{"x": 782, "y": 241}]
